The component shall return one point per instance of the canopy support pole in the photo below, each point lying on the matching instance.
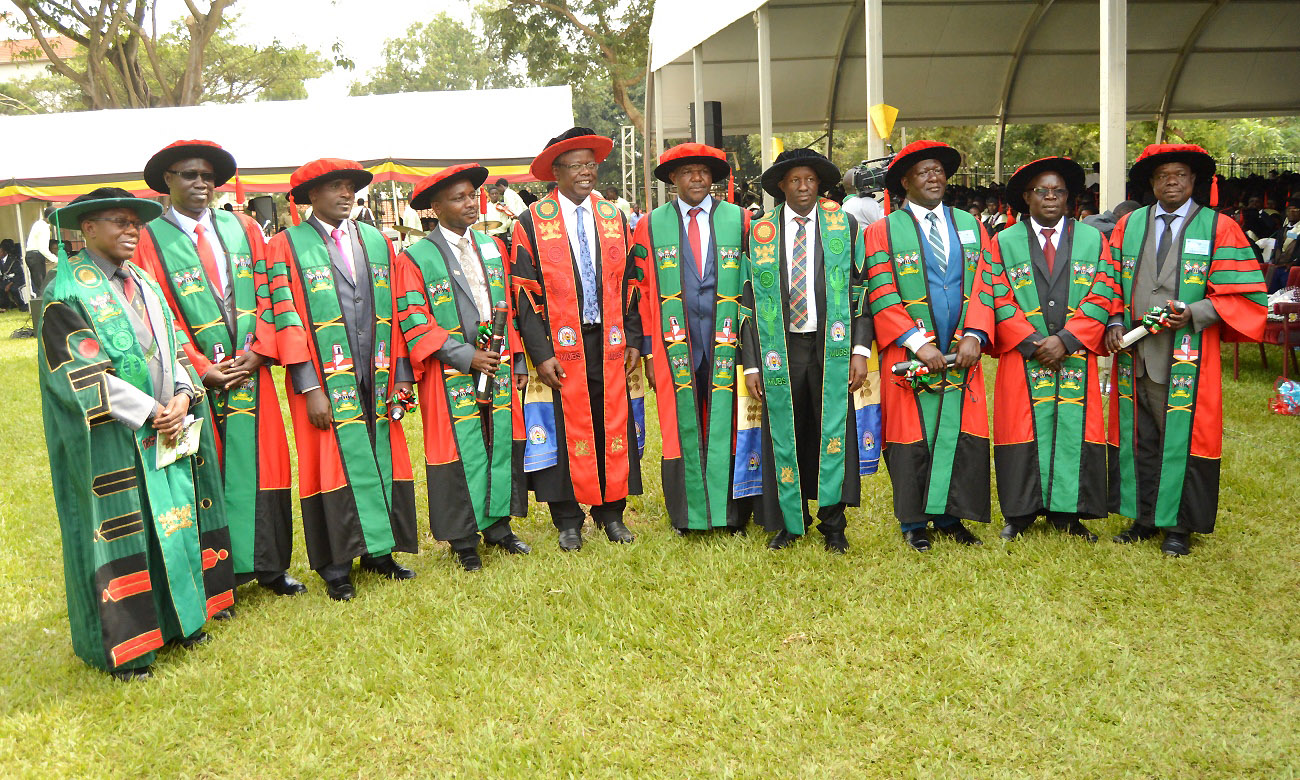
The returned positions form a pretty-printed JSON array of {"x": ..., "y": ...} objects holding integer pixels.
[
  {"x": 1176, "y": 72},
  {"x": 832, "y": 103},
  {"x": 697, "y": 72},
  {"x": 763, "y": 22},
  {"x": 18, "y": 224},
  {"x": 873, "y": 25},
  {"x": 1114, "y": 101},
  {"x": 1009, "y": 83},
  {"x": 650, "y": 111},
  {"x": 661, "y": 189}
]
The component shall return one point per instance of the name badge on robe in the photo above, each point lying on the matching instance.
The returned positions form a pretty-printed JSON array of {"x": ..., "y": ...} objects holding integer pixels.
[
  {"x": 966, "y": 236},
  {"x": 489, "y": 250},
  {"x": 1197, "y": 246}
]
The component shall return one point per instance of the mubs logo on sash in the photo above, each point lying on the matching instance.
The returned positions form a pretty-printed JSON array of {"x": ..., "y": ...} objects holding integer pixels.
[
  {"x": 838, "y": 331},
  {"x": 772, "y": 360},
  {"x": 567, "y": 336},
  {"x": 187, "y": 282},
  {"x": 537, "y": 434},
  {"x": 615, "y": 336}
]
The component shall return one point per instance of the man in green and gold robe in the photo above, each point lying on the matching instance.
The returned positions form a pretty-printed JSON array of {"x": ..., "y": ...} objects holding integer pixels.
[{"x": 146, "y": 550}]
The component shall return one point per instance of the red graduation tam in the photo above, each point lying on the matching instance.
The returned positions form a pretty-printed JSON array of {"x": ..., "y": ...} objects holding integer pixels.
[
  {"x": 1070, "y": 170},
  {"x": 914, "y": 153},
  {"x": 223, "y": 164},
  {"x": 692, "y": 154},
  {"x": 426, "y": 188},
  {"x": 325, "y": 169},
  {"x": 573, "y": 138},
  {"x": 1155, "y": 155}
]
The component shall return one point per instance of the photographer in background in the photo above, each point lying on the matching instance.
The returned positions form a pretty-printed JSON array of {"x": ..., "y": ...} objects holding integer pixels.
[{"x": 863, "y": 181}]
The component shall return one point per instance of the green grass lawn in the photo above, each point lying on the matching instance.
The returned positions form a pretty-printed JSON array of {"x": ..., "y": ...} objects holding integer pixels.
[{"x": 708, "y": 657}]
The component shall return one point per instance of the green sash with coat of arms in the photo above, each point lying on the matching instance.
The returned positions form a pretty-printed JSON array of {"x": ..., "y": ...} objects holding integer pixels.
[
  {"x": 369, "y": 465},
  {"x": 665, "y": 240},
  {"x": 765, "y": 274},
  {"x": 488, "y": 477},
  {"x": 234, "y": 411},
  {"x": 1058, "y": 398}
]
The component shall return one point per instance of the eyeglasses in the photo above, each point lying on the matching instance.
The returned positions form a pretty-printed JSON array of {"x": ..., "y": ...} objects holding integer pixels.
[
  {"x": 190, "y": 175},
  {"x": 1050, "y": 192},
  {"x": 1176, "y": 175},
  {"x": 122, "y": 222},
  {"x": 930, "y": 173},
  {"x": 579, "y": 167}
]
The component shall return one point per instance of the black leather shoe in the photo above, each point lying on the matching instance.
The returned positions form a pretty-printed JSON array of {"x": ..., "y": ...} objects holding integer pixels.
[
  {"x": 513, "y": 545},
  {"x": 341, "y": 589},
  {"x": 388, "y": 568},
  {"x": 1176, "y": 544},
  {"x": 1012, "y": 530},
  {"x": 224, "y": 614},
  {"x": 284, "y": 585},
  {"x": 571, "y": 540},
  {"x": 918, "y": 539},
  {"x": 837, "y": 542},
  {"x": 617, "y": 532},
  {"x": 194, "y": 640},
  {"x": 782, "y": 540},
  {"x": 960, "y": 534},
  {"x": 469, "y": 560},
  {"x": 1076, "y": 528},
  {"x": 1134, "y": 533},
  {"x": 132, "y": 675}
]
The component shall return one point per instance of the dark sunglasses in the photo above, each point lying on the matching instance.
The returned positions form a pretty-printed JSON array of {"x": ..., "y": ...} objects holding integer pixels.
[{"x": 191, "y": 175}]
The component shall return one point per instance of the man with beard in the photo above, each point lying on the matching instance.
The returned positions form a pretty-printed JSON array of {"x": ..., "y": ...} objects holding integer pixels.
[
  {"x": 333, "y": 306},
  {"x": 211, "y": 265},
  {"x": 582, "y": 332},
  {"x": 450, "y": 286}
]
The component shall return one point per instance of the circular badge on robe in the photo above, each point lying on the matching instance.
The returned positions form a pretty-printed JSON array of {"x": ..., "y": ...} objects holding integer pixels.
[
  {"x": 537, "y": 434},
  {"x": 567, "y": 336},
  {"x": 547, "y": 209},
  {"x": 837, "y": 331},
  {"x": 764, "y": 232},
  {"x": 868, "y": 441},
  {"x": 87, "y": 277},
  {"x": 835, "y": 245},
  {"x": 773, "y": 361},
  {"x": 88, "y": 348},
  {"x": 556, "y": 254},
  {"x": 121, "y": 340},
  {"x": 605, "y": 209},
  {"x": 829, "y": 205},
  {"x": 767, "y": 278}
]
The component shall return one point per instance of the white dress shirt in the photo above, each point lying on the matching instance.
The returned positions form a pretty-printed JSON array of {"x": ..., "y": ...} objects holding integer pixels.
[
  {"x": 472, "y": 267},
  {"x": 706, "y": 232},
  {"x": 345, "y": 240},
  {"x": 1056, "y": 233},
  {"x": 205, "y": 219},
  {"x": 810, "y": 241},
  {"x": 38, "y": 239},
  {"x": 513, "y": 202},
  {"x": 920, "y": 213},
  {"x": 1177, "y": 224}
]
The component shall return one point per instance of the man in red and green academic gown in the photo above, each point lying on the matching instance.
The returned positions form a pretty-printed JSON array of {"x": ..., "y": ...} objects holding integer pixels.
[
  {"x": 333, "y": 303},
  {"x": 1166, "y": 410},
  {"x": 805, "y": 343},
  {"x": 691, "y": 252},
  {"x": 211, "y": 265},
  {"x": 1049, "y": 432},
  {"x": 146, "y": 552},
  {"x": 581, "y": 330},
  {"x": 450, "y": 284},
  {"x": 933, "y": 292}
]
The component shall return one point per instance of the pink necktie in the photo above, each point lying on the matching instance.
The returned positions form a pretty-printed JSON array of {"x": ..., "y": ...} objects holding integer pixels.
[{"x": 337, "y": 235}]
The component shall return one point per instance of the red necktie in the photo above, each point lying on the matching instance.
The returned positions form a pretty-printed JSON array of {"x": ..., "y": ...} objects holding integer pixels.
[
  {"x": 693, "y": 235},
  {"x": 1049, "y": 249},
  {"x": 208, "y": 259}
]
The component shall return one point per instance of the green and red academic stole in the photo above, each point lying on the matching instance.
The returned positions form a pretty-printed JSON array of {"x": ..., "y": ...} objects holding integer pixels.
[
  {"x": 556, "y": 263},
  {"x": 171, "y": 489},
  {"x": 665, "y": 242},
  {"x": 913, "y": 288},
  {"x": 1194, "y": 272},
  {"x": 1058, "y": 398},
  {"x": 488, "y": 479},
  {"x": 769, "y": 315},
  {"x": 234, "y": 410},
  {"x": 369, "y": 467}
]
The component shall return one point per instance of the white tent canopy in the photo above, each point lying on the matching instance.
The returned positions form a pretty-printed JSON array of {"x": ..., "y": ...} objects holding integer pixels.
[{"x": 408, "y": 132}]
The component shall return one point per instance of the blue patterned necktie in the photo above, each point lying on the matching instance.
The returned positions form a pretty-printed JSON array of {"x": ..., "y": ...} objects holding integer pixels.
[
  {"x": 799, "y": 276},
  {"x": 590, "y": 306},
  {"x": 936, "y": 242}
]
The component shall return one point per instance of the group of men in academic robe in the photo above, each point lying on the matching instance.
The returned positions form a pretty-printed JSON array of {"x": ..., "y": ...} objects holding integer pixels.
[{"x": 757, "y": 336}]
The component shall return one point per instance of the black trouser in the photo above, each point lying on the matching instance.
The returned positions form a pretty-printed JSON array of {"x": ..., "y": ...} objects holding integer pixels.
[
  {"x": 567, "y": 514},
  {"x": 1059, "y": 520},
  {"x": 1151, "y": 401},
  {"x": 492, "y": 534},
  {"x": 804, "y": 351}
]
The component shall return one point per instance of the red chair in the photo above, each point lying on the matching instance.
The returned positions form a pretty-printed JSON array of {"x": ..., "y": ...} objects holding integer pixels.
[{"x": 1285, "y": 333}]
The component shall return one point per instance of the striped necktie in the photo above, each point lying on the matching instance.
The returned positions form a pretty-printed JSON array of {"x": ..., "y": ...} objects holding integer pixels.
[
  {"x": 799, "y": 276},
  {"x": 936, "y": 242},
  {"x": 587, "y": 272}
]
